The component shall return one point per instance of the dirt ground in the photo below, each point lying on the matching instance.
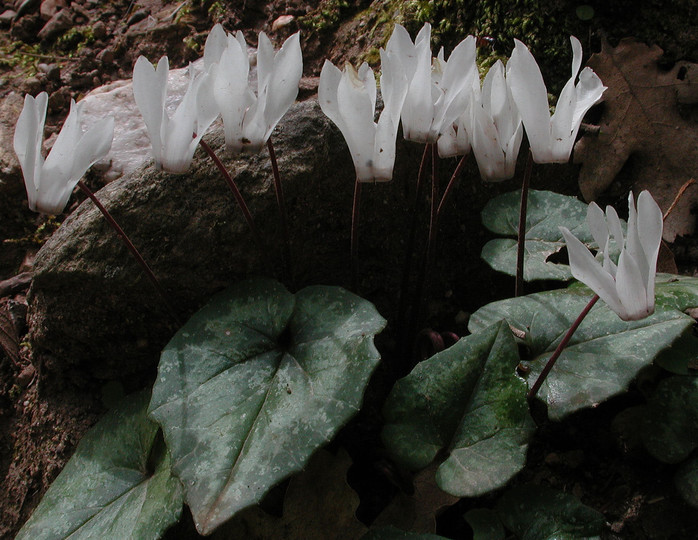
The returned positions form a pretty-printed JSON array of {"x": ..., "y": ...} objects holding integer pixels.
[{"x": 591, "y": 454}]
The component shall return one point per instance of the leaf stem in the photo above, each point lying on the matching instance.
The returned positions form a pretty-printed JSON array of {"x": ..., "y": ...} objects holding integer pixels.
[
  {"x": 521, "y": 241},
  {"x": 136, "y": 254},
  {"x": 551, "y": 361}
]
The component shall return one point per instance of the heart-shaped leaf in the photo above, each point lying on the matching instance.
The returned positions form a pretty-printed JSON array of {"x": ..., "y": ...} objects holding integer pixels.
[
  {"x": 540, "y": 513},
  {"x": 117, "y": 484},
  {"x": 254, "y": 383},
  {"x": 670, "y": 422},
  {"x": 392, "y": 533},
  {"x": 469, "y": 401},
  {"x": 547, "y": 211},
  {"x": 604, "y": 354}
]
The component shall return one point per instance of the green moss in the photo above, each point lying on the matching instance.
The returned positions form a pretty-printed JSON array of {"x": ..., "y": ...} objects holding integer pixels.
[
  {"x": 75, "y": 39},
  {"x": 20, "y": 55},
  {"x": 325, "y": 17},
  {"x": 217, "y": 11}
]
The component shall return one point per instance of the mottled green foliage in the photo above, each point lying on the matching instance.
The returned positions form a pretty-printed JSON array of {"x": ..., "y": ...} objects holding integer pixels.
[{"x": 254, "y": 383}]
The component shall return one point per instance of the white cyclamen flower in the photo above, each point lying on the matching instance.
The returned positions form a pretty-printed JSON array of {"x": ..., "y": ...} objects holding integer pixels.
[
  {"x": 436, "y": 95},
  {"x": 49, "y": 183},
  {"x": 249, "y": 119},
  {"x": 174, "y": 139},
  {"x": 348, "y": 98},
  {"x": 628, "y": 288},
  {"x": 551, "y": 139},
  {"x": 496, "y": 128}
]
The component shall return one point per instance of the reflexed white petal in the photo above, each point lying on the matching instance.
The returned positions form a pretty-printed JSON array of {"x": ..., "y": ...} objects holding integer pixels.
[
  {"x": 614, "y": 226},
  {"x": 587, "y": 270},
  {"x": 27, "y": 141},
  {"x": 283, "y": 83},
  {"x": 59, "y": 162},
  {"x": 369, "y": 81},
  {"x": 424, "y": 35},
  {"x": 418, "y": 110},
  {"x": 265, "y": 62},
  {"x": 576, "y": 56},
  {"x": 401, "y": 46},
  {"x": 216, "y": 43},
  {"x": 327, "y": 94},
  {"x": 596, "y": 221},
  {"x": 149, "y": 92},
  {"x": 511, "y": 150},
  {"x": 393, "y": 87},
  {"x": 357, "y": 112},
  {"x": 531, "y": 97},
  {"x": 232, "y": 93},
  {"x": 486, "y": 147},
  {"x": 589, "y": 90},
  {"x": 561, "y": 130},
  {"x": 631, "y": 289},
  {"x": 384, "y": 149},
  {"x": 92, "y": 146},
  {"x": 447, "y": 144},
  {"x": 207, "y": 109},
  {"x": 650, "y": 226}
]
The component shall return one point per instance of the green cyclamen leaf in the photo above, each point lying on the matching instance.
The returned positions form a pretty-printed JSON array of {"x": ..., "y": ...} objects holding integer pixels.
[
  {"x": 540, "y": 513},
  {"x": 547, "y": 211},
  {"x": 604, "y": 354},
  {"x": 117, "y": 484},
  {"x": 486, "y": 524},
  {"x": 468, "y": 400},
  {"x": 670, "y": 422},
  {"x": 254, "y": 383}
]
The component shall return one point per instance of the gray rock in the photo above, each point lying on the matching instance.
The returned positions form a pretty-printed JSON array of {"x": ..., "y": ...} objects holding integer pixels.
[{"x": 92, "y": 309}]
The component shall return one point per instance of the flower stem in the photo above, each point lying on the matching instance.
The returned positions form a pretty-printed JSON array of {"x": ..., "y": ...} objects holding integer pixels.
[
  {"x": 355, "y": 210},
  {"x": 551, "y": 361},
  {"x": 409, "y": 252},
  {"x": 282, "y": 209},
  {"x": 234, "y": 188},
  {"x": 136, "y": 254},
  {"x": 521, "y": 242}
]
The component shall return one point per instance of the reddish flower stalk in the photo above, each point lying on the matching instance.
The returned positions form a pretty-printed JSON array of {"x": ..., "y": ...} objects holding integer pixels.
[
  {"x": 282, "y": 208},
  {"x": 234, "y": 188},
  {"x": 521, "y": 242},
  {"x": 558, "y": 351},
  {"x": 355, "y": 210},
  {"x": 136, "y": 254}
]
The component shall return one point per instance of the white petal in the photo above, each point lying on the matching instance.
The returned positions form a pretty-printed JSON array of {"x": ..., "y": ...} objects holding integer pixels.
[
  {"x": 283, "y": 83},
  {"x": 562, "y": 132},
  {"x": 596, "y": 221},
  {"x": 576, "y": 56},
  {"x": 587, "y": 270},
  {"x": 216, "y": 43},
  {"x": 357, "y": 112},
  {"x": 631, "y": 289},
  {"x": 59, "y": 162},
  {"x": 650, "y": 226},
  {"x": 369, "y": 81},
  {"x": 327, "y": 93},
  {"x": 393, "y": 86},
  {"x": 418, "y": 110},
  {"x": 149, "y": 92},
  {"x": 614, "y": 226},
  {"x": 531, "y": 98},
  {"x": 27, "y": 141},
  {"x": 400, "y": 45},
  {"x": 589, "y": 90}
]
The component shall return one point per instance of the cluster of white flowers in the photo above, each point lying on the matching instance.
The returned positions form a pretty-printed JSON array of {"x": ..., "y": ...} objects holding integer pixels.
[{"x": 438, "y": 101}]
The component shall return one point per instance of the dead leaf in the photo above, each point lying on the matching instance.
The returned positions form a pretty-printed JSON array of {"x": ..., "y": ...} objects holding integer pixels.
[
  {"x": 417, "y": 512},
  {"x": 9, "y": 340},
  {"x": 642, "y": 122},
  {"x": 319, "y": 505}
]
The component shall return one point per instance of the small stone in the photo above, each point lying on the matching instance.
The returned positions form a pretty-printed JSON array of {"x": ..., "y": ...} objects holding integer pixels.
[
  {"x": 138, "y": 16},
  {"x": 32, "y": 85},
  {"x": 7, "y": 16},
  {"x": 106, "y": 56},
  {"x": 26, "y": 376},
  {"x": 58, "y": 24},
  {"x": 50, "y": 7},
  {"x": 26, "y": 6},
  {"x": 282, "y": 21},
  {"x": 59, "y": 100},
  {"x": 99, "y": 30}
]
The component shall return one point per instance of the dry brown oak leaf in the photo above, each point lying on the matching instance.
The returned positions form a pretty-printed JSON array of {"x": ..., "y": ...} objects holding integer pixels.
[{"x": 649, "y": 123}]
